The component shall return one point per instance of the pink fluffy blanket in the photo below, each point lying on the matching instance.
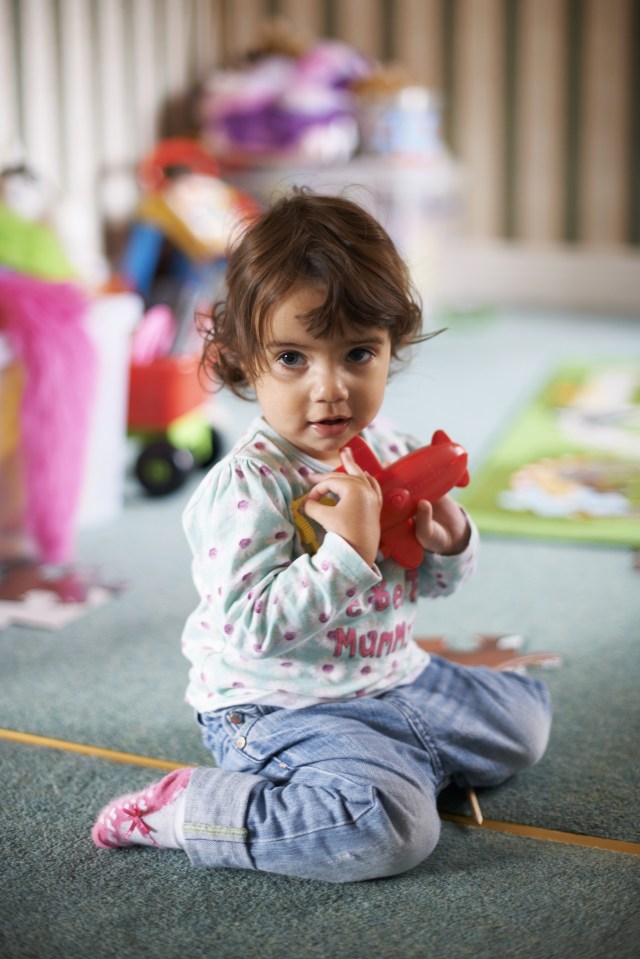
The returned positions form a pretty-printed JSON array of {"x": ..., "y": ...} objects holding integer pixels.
[{"x": 44, "y": 324}]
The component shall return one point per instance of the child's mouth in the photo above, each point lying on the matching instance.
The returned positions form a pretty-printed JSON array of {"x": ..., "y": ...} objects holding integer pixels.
[{"x": 332, "y": 426}]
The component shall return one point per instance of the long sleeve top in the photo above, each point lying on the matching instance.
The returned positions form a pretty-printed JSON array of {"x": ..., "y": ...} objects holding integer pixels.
[{"x": 276, "y": 623}]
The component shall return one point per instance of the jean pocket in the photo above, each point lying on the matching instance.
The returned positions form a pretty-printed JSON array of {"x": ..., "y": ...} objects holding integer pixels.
[{"x": 228, "y": 733}]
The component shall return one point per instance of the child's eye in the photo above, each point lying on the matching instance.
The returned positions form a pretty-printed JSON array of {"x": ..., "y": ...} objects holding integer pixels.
[
  {"x": 291, "y": 358},
  {"x": 360, "y": 354}
]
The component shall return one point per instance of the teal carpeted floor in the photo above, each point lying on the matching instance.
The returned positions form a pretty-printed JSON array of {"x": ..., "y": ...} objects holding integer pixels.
[
  {"x": 116, "y": 678},
  {"x": 479, "y": 895}
]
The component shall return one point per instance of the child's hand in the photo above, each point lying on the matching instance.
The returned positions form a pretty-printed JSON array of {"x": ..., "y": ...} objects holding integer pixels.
[
  {"x": 442, "y": 527},
  {"x": 356, "y": 515}
]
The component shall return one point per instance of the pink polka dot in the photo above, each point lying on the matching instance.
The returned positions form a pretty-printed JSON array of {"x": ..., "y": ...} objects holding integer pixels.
[
  {"x": 228, "y": 629},
  {"x": 265, "y": 471},
  {"x": 325, "y": 566},
  {"x": 304, "y": 470},
  {"x": 324, "y": 617},
  {"x": 290, "y": 636},
  {"x": 243, "y": 503},
  {"x": 259, "y": 445},
  {"x": 246, "y": 577},
  {"x": 205, "y": 624},
  {"x": 213, "y": 552},
  {"x": 239, "y": 473},
  {"x": 238, "y": 684},
  {"x": 282, "y": 534},
  {"x": 351, "y": 592},
  {"x": 257, "y": 647},
  {"x": 365, "y": 670},
  {"x": 244, "y": 543},
  {"x": 258, "y": 607},
  {"x": 286, "y": 665},
  {"x": 328, "y": 668}
]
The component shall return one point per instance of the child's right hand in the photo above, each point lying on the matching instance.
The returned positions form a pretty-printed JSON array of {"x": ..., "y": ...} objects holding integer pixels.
[{"x": 356, "y": 514}]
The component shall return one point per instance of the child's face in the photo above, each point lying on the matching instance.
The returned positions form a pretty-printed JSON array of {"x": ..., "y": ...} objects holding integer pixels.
[{"x": 318, "y": 393}]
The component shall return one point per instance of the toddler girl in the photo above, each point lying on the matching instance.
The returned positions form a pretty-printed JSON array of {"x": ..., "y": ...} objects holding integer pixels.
[{"x": 332, "y": 731}]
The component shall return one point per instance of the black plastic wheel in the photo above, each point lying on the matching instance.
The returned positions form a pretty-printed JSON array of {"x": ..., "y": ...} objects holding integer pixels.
[
  {"x": 161, "y": 468},
  {"x": 216, "y": 449}
]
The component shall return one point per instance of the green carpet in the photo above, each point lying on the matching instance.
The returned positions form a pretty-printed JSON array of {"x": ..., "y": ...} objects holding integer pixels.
[
  {"x": 569, "y": 465},
  {"x": 480, "y": 895}
]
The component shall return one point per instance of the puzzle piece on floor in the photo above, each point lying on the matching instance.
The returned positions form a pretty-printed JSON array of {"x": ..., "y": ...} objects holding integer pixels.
[
  {"x": 501, "y": 652},
  {"x": 32, "y": 595}
]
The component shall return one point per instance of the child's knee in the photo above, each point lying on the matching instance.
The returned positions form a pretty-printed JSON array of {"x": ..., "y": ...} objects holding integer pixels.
[
  {"x": 537, "y": 727},
  {"x": 383, "y": 845},
  {"x": 530, "y": 734},
  {"x": 517, "y": 741}
]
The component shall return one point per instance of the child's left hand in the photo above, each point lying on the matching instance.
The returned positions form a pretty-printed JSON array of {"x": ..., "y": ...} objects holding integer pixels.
[{"x": 442, "y": 527}]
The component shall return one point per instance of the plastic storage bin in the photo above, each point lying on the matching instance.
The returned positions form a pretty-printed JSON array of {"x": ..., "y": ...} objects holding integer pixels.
[{"x": 111, "y": 321}]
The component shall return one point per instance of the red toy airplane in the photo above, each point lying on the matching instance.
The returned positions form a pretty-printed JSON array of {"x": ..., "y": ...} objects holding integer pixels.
[{"x": 426, "y": 473}]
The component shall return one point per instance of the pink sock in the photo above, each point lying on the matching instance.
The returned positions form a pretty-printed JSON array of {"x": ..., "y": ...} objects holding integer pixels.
[{"x": 151, "y": 817}]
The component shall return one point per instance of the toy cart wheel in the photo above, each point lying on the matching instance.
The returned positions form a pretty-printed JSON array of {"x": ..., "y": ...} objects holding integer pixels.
[
  {"x": 216, "y": 449},
  {"x": 162, "y": 468}
]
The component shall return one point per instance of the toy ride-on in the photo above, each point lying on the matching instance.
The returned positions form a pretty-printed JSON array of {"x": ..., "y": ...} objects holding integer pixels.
[{"x": 166, "y": 414}]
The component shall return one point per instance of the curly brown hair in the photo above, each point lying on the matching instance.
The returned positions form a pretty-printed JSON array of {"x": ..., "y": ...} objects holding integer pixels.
[{"x": 329, "y": 242}]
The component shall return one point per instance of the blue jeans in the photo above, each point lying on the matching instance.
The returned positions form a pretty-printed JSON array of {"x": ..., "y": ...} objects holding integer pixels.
[{"x": 347, "y": 791}]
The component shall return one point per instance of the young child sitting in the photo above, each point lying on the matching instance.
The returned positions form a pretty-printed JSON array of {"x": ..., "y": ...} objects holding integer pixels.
[{"x": 333, "y": 732}]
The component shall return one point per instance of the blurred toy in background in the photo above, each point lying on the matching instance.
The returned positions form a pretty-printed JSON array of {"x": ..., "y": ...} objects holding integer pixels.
[
  {"x": 322, "y": 103},
  {"x": 174, "y": 258},
  {"x": 46, "y": 379},
  {"x": 398, "y": 117},
  {"x": 284, "y": 100},
  {"x": 28, "y": 243}
]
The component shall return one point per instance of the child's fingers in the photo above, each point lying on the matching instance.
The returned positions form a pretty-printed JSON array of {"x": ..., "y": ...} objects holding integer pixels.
[
  {"x": 349, "y": 464},
  {"x": 340, "y": 484}
]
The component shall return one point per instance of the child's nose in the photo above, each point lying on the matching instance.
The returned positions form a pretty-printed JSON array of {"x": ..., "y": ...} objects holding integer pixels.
[{"x": 329, "y": 386}]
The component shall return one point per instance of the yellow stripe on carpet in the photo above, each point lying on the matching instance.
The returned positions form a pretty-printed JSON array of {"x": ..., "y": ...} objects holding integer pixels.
[
  {"x": 30, "y": 739},
  {"x": 493, "y": 825},
  {"x": 548, "y": 835}
]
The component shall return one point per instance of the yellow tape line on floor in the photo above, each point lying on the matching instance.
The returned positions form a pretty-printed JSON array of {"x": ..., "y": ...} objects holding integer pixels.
[
  {"x": 112, "y": 754},
  {"x": 494, "y": 825}
]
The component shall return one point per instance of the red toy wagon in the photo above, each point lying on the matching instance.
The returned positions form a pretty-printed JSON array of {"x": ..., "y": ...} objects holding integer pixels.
[{"x": 166, "y": 399}]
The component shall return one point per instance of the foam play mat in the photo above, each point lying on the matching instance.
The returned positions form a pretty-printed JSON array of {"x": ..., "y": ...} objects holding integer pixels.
[{"x": 568, "y": 467}]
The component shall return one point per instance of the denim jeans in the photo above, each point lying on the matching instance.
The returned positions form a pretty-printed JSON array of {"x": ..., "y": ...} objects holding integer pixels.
[{"x": 347, "y": 791}]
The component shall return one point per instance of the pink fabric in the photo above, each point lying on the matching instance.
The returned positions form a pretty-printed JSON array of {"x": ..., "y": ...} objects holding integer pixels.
[{"x": 44, "y": 323}]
